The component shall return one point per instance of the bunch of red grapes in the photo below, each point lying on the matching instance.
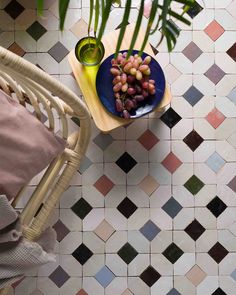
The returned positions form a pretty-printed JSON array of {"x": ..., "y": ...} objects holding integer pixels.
[{"x": 131, "y": 83}]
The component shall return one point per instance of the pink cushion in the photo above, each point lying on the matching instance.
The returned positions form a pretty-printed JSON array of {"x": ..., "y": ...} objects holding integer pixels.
[{"x": 26, "y": 146}]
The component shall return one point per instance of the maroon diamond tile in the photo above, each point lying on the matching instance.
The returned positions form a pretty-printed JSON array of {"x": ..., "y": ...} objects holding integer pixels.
[
  {"x": 59, "y": 277},
  {"x": 232, "y": 52},
  {"x": 148, "y": 139},
  {"x": 214, "y": 30},
  {"x": 61, "y": 230},
  {"x": 104, "y": 185},
  {"x": 82, "y": 292},
  {"x": 232, "y": 184},
  {"x": 192, "y": 51},
  {"x": 171, "y": 162},
  {"x": 215, "y": 74},
  {"x": 218, "y": 252},
  {"x": 215, "y": 118},
  {"x": 193, "y": 140},
  {"x": 15, "y": 48}
]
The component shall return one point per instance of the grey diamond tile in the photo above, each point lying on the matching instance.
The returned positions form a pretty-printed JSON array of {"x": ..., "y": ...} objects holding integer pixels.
[
  {"x": 105, "y": 276},
  {"x": 58, "y": 51},
  {"x": 233, "y": 274},
  {"x": 232, "y": 184},
  {"x": 232, "y": 95},
  {"x": 173, "y": 292},
  {"x": 59, "y": 277},
  {"x": 193, "y": 95},
  {"x": 215, "y": 74},
  {"x": 61, "y": 230},
  {"x": 85, "y": 164},
  {"x": 150, "y": 230},
  {"x": 172, "y": 207},
  {"x": 192, "y": 51},
  {"x": 103, "y": 140},
  {"x": 215, "y": 162}
]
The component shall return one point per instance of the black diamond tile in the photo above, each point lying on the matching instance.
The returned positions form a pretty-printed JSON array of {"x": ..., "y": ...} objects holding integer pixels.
[
  {"x": 194, "y": 10},
  {"x": 193, "y": 140},
  {"x": 218, "y": 252},
  {"x": 216, "y": 206},
  {"x": 219, "y": 291},
  {"x": 232, "y": 52},
  {"x": 170, "y": 118},
  {"x": 82, "y": 254},
  {"x": 127, "y": 253},
  {"x": 81, "y": 208},
  {"x": 14, "y": 9},
  {"x": 150, "y": 276},
  {"x": 59, "y": 277},
  {"x": 127, "y": 207},
  {"x": 126, "y": 162},
  {"x": 58, "y": 51},
  {"x": 193, "y": 95},
  {"x": 36, "y": 30},
  {"x": 173, "y": 253},
  {"x": 194, "y": 230}
]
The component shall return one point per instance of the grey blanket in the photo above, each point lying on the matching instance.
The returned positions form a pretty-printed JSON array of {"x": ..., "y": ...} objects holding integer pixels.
[{"x": 17, "y": 255}]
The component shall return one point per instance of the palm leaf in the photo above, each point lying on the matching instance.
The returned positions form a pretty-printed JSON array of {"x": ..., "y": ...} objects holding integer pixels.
[
  {"x": 90, "y": 16},
  {"x": 105, "y": 16},
  {"x": 123, "y": 26},
  {"x": 96, "y": 16},
  {"x": 40, "y": 4},
  {"x": 63, "y": 6},
  {"x": 186, "y": 2},
  {"x": 136, "y": 29}
]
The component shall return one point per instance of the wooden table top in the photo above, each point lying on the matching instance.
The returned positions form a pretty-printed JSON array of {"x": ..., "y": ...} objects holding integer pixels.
[{"x": 86, "y": 78}]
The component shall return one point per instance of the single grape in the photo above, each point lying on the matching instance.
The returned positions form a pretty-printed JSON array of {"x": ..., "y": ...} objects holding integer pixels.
[
  {"x": 147, "y": 60},
  {"x": 139, "y": 75},
  {"x": 123, "y": 78},
  {"x": 133, "y": 71},
  {"x": 152, "y": 91},
  {"x": 117, "y": 87},
  {"x": 131, "y": 58},
  {"x": 130, "y": 79},
  {"x": 124, "y": 87},
  {"x": 145, "y": 85},
  {"x": 126, "y": 114},
  {"x": 129, "y": 104},
  {"x": 115, "y": 71},
  {"x": 127, "y": 67},
  {"x": 147, "y": 72},
  {"x": 125, "y": 54},
  {"x": 136, "y": 55},
  {"x": 143, "y": 68},
  {"x": 116, "y": 80},
  {"x": 151, "y": 81},
  {"x": 139, "y": 59},
  {"x": 139, "y": 97},
  {"x": 150, "y": 87},
  {"x": 131, "y": 91},
  {"x": 119, "y": 105},
  {"x": 136, "y": 64}
]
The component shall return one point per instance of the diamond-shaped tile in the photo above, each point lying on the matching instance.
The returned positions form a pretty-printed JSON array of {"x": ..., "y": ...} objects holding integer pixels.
[
  {"x": 15, "y": 48},
  {"x": 103, "y": 140},
  {"x": 59, "y": 277},
  {"x": 194, "y": 229},
  {"x": 232, "y": 184},
  {"x": 127, "y": 207},
  {"x": 82, "y": 254},
  {"x": 170, "y": 118},
  {"x": 194, "y": 185},
  {"x": 194, "y": 9},
  {"x": 218, "y": 252},
  {"x": 127, "y": 253},
  {"x": 172, "y": 207},
  {"x": 219, "y": 291},
  {"x": 61, "y": 230},
  {"x": 150, "y": 230},
  {"x": 36, "y": 292},
  {"x": 232, "y": 52},
  {"x": 171, "y": 162},
  {"x": 81, "y": 208},
  {"x": 193, "y": 95},
  {"x": 36, "y": 30},
  {"x": 173, "y": 292},
  {"x": 150, "y": 276},
  {"x": 215, "y": 162},
  {"x": 173, "y": 253},
  {"x": 232, "y": 95},
  {"x": 104, "y": 185},
  {"x": 104, "y": 230},
  {"x": 85, "y": 164},
  {"x": 233, "y": 274},
  {"x": 149, "y": 185},
  {"x": 215, "y": 74},
  {"x": 193, "y": 140},
  {"x": 214, "y": 30},
  {"x": 82, "y": 292},
  {"x": 192, "y": 51},
  {"x": 58, "y": 51},
  {"x": 196, "y": 275},
  {"x": 104, "y": 276},
  {"x": 148, "y": 139},
  {"x": 14, "y": 9},
  {"x": 127, "y": 292},
  {"x": 126, "y": 162},
  {"x": 216, "y": 206}
]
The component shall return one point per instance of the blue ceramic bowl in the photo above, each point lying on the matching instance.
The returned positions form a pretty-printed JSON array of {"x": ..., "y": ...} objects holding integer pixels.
[{"x": 105, "y": 88}]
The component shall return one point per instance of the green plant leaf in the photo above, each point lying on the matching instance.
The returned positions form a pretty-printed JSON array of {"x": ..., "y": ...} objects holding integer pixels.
[
  {"x": 186, "y": 2},
  {"x": 179, "y": 17},
  {"x": 103, "y": 5},
  {"x": 96, "y": 16},
  {"x": 105, "y": 16},
  {"x": 40, "y": 4},
  {"x": 63, "y": 6},
  {"x": 136, "y": 29},
  {"x": 123, "y": 26},
  {"x": 90, "y": 16}
]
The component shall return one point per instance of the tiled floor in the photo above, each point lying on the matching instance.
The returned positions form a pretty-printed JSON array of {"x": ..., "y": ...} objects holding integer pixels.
[{"x": 152, "y": 210}]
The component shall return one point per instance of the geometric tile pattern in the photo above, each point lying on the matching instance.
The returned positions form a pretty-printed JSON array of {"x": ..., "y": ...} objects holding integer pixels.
[{"x": 169, "y": 199}]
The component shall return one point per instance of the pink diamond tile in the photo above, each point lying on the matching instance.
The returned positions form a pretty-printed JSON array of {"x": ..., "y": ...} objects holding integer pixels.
[
  {"x": 148, "y": 139},
  {"x": 232, "y": 184},
  {"x": 214, "y": 30},
  {"x": 127, "y": 292},
  {"x": 104, "y": 230},
  {"x": 104, "y": 185},
  {"x": 196, "y": 275},
  {"x": 171, "y": 162},
  {"x": 149, "y": 185},
  {"x": 215, "y": 118}
]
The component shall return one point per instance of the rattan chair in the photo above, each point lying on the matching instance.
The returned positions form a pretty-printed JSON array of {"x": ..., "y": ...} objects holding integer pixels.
[{"x": 47, "y": 96}]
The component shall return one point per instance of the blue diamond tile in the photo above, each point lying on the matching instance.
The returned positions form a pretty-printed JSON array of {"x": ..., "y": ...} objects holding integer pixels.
[
  {"x": 172, "y": 207},
  {"x": 232, "y": 95},
  {"x": 233, "y": 274},
  {"x": 150, "y": 230},
  {"x": 193, "y": 95},
  {"x": 215, "y": 162},
  {"x": 104, "y": 276},
  {"x": 103, "y": 140},
  {"x": 173, "y": 292},
  {"x": 85, "y": 164}
]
